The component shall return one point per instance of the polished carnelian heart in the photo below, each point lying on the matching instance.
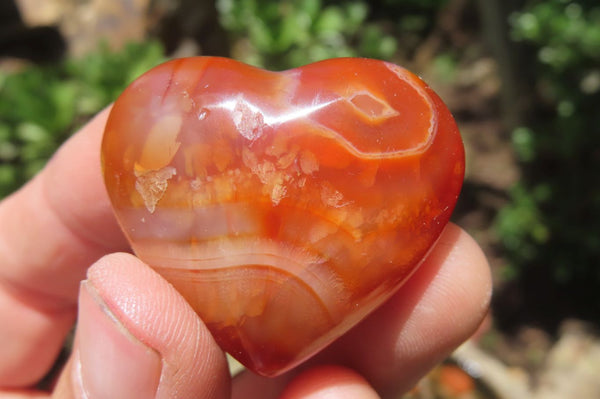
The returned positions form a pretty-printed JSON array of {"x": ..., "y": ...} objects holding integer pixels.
[{"x": 284, "y": 206}]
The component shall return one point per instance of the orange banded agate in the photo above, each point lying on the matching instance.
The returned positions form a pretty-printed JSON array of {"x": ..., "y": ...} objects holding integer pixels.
[{"x": 284, "y": 206}]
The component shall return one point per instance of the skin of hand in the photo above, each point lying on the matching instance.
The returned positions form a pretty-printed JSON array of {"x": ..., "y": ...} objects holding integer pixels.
[{"x": 63, "y": 258}]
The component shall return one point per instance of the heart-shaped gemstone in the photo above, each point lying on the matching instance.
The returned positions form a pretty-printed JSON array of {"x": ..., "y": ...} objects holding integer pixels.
[{"x": 284, "y": 206}]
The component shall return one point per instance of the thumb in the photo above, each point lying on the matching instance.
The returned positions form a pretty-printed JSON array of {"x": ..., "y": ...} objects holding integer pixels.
[
  {"x": 137, "y": 338},
  {"x": 107, "y": 360}
]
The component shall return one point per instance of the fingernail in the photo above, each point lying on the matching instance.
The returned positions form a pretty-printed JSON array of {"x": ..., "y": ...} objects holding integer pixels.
[{"x": 109, "y": 361}]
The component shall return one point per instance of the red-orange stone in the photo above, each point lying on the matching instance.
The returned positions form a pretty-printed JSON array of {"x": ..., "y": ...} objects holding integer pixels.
[{"x": 284, "y": 206}]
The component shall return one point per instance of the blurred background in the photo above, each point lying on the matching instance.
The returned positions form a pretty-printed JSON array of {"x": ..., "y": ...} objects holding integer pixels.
[{"x": 522, "y": 78}]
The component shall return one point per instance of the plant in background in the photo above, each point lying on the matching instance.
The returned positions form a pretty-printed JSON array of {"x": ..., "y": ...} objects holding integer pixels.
[
  {"x": 286, "y": 34},
  {"x": 554, "y": 218},
  {"x": 412, "y": 20},
  {"x": 41, "y": 106}
]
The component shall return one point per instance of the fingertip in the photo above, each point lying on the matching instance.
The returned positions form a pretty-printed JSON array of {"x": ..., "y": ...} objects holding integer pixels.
[
  {"x": 109, "y": 361},
  {"x": 330, "y": 382},
  {"x": 449, "y": 295},
  {"x": 153, "y": 321},
  {"x": 467, "y": 272}
]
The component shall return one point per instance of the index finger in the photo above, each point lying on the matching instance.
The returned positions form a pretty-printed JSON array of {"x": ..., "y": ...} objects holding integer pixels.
[{"x": 50, "y": 231}]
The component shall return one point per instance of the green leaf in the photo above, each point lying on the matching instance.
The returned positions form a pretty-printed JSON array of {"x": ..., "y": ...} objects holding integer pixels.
[
  {"x": 32, "y": 133},
  {"x": 524, "y": 143},
  {"x": 330, "y": 23}
]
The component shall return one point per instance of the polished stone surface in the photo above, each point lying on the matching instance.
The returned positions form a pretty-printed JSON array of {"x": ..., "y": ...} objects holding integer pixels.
[{"x": 284, "y": 206}]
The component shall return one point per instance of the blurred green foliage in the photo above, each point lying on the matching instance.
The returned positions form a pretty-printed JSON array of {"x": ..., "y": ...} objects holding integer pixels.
[
  {"x": 41, "y": 106},
  {"x": 289, "y": 33},
  {"x": 553, "y": 220}
]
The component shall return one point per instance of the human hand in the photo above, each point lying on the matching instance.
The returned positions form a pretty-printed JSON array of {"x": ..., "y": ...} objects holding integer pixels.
[{"x": 137, "y": 338}]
